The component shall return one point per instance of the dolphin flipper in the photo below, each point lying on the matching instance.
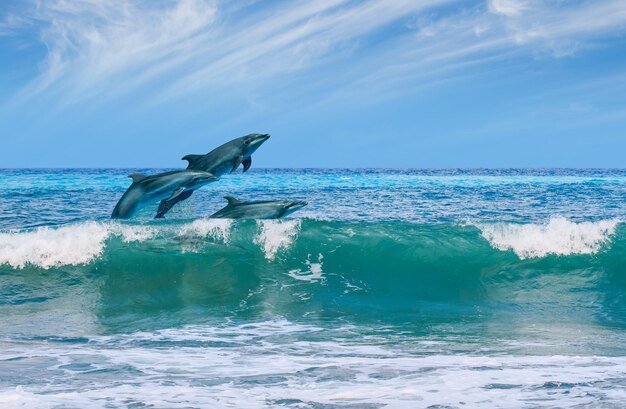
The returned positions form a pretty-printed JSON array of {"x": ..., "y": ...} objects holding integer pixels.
[
  {"x": 166, "y": 204},
  {"x": 247, "y": 163}
]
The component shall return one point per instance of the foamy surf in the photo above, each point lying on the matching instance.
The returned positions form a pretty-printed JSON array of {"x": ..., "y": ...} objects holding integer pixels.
[
  {"x": 131, "y": 234},
  {"x": 83, "y": 243},
  {"x": 49, "y": 247},
  {"x": 73, "y": 244},
  {"x": 276, "y": 235},
  {"x": 345, "y": 366},
  {"x": 558, "y": 236},
  {"x": 216, "y": 229}
]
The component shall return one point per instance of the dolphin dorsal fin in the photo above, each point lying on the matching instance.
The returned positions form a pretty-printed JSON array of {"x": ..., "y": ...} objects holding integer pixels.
[
  {"x": 137, "y": 177},
  {"x": 192, "y": 159},
  {"x": 232, "y": 200}
]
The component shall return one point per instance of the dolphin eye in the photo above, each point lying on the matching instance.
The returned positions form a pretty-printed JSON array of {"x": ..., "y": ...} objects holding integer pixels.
[{"x": 247, "y": 142}]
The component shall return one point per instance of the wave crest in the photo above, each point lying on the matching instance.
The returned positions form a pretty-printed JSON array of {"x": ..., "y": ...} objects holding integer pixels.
[
  {"x": 217, "y": 229},
  {"x": 49, "y": 247},
  {"x": 275, "y": 235},
  {"x": 82, "y": 243},
  {"x": 558, "y": 236}
]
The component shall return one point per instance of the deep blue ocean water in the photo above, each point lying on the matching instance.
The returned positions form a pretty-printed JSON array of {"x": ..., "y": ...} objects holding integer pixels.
[{"x": 392, "y": 288}]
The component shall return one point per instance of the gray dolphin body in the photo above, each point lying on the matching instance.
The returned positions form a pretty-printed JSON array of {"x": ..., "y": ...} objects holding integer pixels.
[
  {"x": 268, "y": 209},
  {"x": 149, "y": 189},
  {"x": 223, "y": 159}
]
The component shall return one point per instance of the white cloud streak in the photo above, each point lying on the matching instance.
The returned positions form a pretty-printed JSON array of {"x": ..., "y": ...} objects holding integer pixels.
[
  {"x": 173, "y": 48},
  {"x": 476, "y": 40},
  {"x": 508, "y": 8}
]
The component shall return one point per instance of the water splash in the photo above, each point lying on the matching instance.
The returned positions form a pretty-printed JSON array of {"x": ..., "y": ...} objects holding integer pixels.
[
  {"x": 216, "y": 229},
  {"x": 276, "y": 235},
  {"x": 558, "y": 236},
  {"x": 49, "y": 247}
]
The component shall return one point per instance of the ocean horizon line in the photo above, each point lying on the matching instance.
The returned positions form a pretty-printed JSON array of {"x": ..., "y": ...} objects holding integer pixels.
[{"x": 375, "y": 168}]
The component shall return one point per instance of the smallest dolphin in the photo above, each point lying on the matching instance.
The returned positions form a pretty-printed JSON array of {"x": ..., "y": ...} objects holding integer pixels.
[
  {"x": 163, "y": 186},
  {"x": 268, "y": 209}
]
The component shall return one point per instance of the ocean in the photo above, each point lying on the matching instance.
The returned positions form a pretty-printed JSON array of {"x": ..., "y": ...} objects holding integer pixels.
[{"x": 392, "y": 289}]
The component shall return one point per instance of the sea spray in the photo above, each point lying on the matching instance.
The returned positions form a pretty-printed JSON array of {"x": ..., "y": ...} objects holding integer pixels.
[
  {"x": 558, "y": 236},
  {"x": 131, "y": 233},
  {"x": 72, "y": 244},
  {"x": 49, "y": 247},
  {"x": 275, "y": 235},
  {"x": 195, "y": 235},
  {"x": 84, "y": 243}
]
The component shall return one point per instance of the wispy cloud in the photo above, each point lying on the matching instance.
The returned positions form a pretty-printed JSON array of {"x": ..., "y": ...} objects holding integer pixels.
[
  {"x": 98, "y": 48},
  {"x": 508, "y": 8},
  {"x": 92, "y": 43},
  {"x": 475, "y": 40}
]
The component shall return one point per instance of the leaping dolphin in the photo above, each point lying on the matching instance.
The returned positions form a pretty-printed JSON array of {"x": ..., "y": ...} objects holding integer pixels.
[
  {"x": 166, "y": 186},
  {"x": 228, "y": 156},
  {"x": 268, "y": 209},
  {"x": 220, "y": 160}
]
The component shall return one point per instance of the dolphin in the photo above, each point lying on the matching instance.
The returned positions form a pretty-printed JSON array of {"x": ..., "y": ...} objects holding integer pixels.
[
  {"x": 228, "y": 156},
  {"x": 268, "y": 209},
  {"x": 219, "y": 161},
  {"x": 166, "y": 186}
]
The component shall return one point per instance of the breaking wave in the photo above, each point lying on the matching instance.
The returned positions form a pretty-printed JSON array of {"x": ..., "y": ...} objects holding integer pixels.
[
  {"x": 47, "y": 247},
  {"x": 83, "y": 243},
  {"x": 296, "y": 268},
  {"x": 558, "y": 236},
  {"x": 276, "y": 235}
]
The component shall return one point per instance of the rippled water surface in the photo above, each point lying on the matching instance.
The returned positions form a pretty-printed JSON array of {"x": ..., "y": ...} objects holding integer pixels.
[
  {"x": 392, "y": 288},
  {"x": 43, "y": 197}
]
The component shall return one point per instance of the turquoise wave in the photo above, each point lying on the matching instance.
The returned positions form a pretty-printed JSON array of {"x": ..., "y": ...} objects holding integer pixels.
[{"x": 166, "y": 274}]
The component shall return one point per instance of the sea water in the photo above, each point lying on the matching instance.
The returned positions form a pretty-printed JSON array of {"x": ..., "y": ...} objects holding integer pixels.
[{"x": 392, "y": 288}]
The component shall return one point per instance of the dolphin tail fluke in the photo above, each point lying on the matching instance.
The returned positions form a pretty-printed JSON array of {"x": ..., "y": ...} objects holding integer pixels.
[
  {"x": 247, "y": 163},
  {"x": 192, "y": 159},
  {"x": 167, "y": 204}
]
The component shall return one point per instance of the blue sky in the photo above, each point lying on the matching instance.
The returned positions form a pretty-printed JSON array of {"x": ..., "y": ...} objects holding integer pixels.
[{"x": 378, "y": 83}]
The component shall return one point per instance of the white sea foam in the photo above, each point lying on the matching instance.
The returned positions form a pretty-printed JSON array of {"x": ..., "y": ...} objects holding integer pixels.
[
  {"x": 82, "y": 243},
  {"x": 275, "y": 235},
  {"x": 72, "y": 244},
  {"x": 133, "y": 233},
  {"x": 313, "y": 272},
  {"x": 216, "y": 229},
  {"x": 258, "y": 364},
  {"x": 48, "y": 247},
  {"x": 558, "y": 236}
]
